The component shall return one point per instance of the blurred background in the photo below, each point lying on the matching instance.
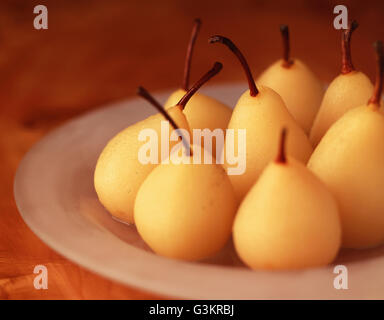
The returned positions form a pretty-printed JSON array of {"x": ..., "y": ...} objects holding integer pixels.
[{"x": 99, "y": 51}]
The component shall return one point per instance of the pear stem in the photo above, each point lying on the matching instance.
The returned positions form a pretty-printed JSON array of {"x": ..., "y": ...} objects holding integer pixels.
[
  {"x": 188, "y": 58},
  {"x": 204, "y": 79},
  {"x": 281, "y": 156},
  {"x": 376, "y": 96},
  {"x": 251, "y": 82},
  {"x": 142, "y": 92},
  {"x": 286, "y": 46},
  {"x": 346, "y": 60}
]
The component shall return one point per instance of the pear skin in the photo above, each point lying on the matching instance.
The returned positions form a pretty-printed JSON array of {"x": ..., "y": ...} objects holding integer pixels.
[
  {"x": 349, "y": 90},
  {"x": 174, "y": 98},
  {"x": 263, "y": 117},
  {"x": 119, "y": 173},
  {"x": 350, "y": 161},
  {"x": 299, "y": 88},
  {"x": 345, "y": 92},
  {"x": 185, "y": 211},
  {"x": 288, "y": 220},
  {"x": 202, "y": 111}
]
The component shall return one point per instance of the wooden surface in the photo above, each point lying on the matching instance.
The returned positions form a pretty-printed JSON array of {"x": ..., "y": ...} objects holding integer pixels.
[{"x": 100, "y": 51}]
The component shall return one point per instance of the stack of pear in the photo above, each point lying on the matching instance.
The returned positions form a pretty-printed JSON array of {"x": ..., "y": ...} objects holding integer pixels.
[
  {"x": 299, "y": 87},
  {"x": 288, "y": 220},
  {"x": 348, "y": 90},
  {"x": 262, "y": 113},
  {"x": 185, "y": 210},
  {"x": 202, "y": 112},
  {"x": 119, "y": 171},
  {"x": 350, "y": 161}
]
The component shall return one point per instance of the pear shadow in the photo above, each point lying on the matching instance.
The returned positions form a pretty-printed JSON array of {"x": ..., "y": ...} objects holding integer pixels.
[{"x": 356, "y": 255}]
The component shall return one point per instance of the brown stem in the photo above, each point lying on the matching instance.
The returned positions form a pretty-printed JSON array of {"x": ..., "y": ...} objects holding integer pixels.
[
  {"x": 251, "y": 82},
  {"x": 346, "y": 60},
  {"x": 286, "y": 46},
  {"x": 376, "y": 96},
  {"x": 204, "y": 79},
  {"x": 188, "y": 58},
  {"x": 142, "y": 92},
  {"x": 281, "y": 156}
]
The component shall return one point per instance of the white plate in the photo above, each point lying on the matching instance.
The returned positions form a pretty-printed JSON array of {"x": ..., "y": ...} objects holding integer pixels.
[{"x": 55, "y": 196}]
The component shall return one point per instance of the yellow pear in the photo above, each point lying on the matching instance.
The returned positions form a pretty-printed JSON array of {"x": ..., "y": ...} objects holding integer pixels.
[
  {"x": 186, "y": 211},
  {"x": 299, "y": 87},
  {"x": 119, "y": 173},
  {"x": 207, "y": 117},
  {"x": 202, "y": 111},
  {"x": 262, "y": 113},
  {"x": 350, "y": 161},
  {"x": 348, "y": 90},
  {"x": 288, "y": 220}
]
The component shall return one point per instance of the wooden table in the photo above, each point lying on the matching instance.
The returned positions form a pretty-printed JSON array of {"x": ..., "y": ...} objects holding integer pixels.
[{"x": 99, "y": 51}]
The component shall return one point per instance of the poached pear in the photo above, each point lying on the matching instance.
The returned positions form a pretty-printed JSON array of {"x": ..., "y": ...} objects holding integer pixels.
[
  {"x": 350, "y": 161},
  {"x": 348, "y": 90},
  {"x": 185, "y": 210},
  {"x": 288, "y": 220},
  {"x": 202, "y": 112},
  {"x": 299, "y": 87},
  {"x": 262, "y": 113}
]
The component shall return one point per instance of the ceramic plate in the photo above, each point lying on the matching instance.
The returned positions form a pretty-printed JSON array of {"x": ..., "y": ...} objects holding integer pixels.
[{"x": 55, "y": 196}]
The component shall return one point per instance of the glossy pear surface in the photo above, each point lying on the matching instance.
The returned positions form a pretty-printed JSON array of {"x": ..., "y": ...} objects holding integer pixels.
[
  {"x": 288, "y": 220},
  {"x": 299, "y": 87},
  {"x": 345, "y": 92},
  {"x": 186, "y": 211},
  {"x": 350, "y": 161},
  {"x": 263, "y": 117},
  {"x": 119, "y": 173}
]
